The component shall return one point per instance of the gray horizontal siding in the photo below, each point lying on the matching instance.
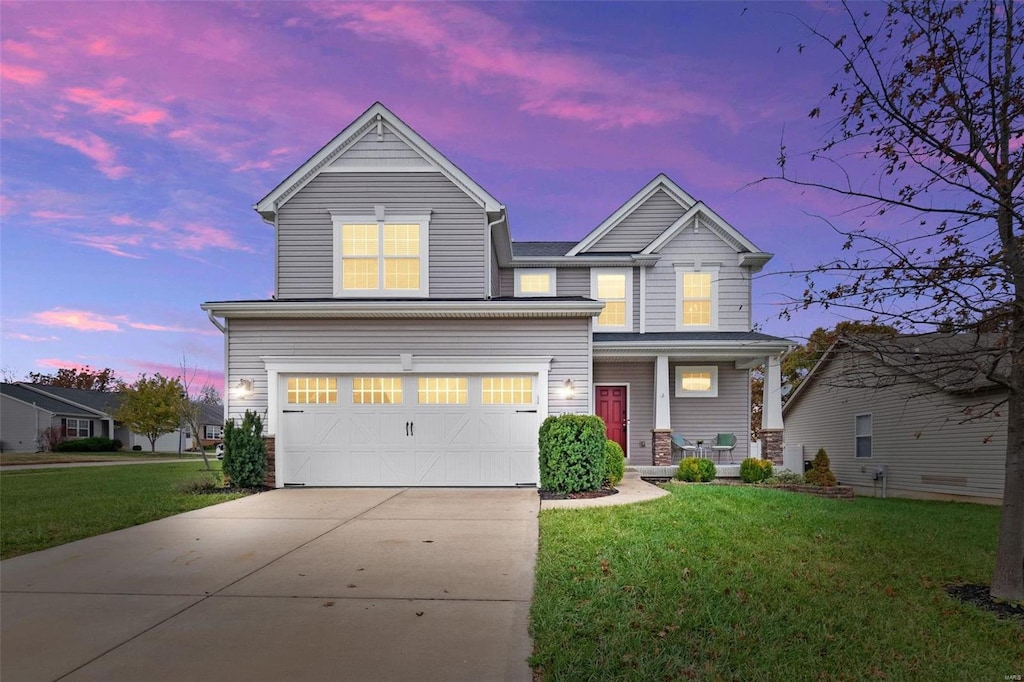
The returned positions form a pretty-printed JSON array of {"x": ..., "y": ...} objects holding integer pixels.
[
  {"x": 566, "y": 340},
  {"x": 573, "y": 282},
  {"x": 507, "y": 285},
  {"x": 729, "y": 412},
  {"x": 20, "y": 425},
  {"x": 390, "y": 151},
  {"x": 918, "y": 433},
  {"x": 640, "y": 378},
  {"x": 733, "y": 281},
  {"x": 305, "y": 232},
  {"x": 642, "y": 226}
]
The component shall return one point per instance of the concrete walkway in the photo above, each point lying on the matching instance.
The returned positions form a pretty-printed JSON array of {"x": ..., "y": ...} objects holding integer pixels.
[
  {"x": 630, "y": 490},
  {"x": 319, "y": 584}
]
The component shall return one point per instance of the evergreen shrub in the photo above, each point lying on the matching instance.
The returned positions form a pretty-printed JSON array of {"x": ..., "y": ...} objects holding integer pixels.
[
  {"x": 572, "y": 455},
  {"x": 245, "y": 453}
]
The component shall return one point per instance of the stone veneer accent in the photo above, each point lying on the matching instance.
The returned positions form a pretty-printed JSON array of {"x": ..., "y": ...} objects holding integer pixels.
[
  {"x": 270, "y": 477},
  {"x": 771, "y": 446},
  {"x": 661, "y": 442}
]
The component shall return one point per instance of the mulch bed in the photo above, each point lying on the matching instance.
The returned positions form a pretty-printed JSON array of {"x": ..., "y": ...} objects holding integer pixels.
[
  {"x": 585, "y": 495},
  {"x": 978, "y": 595}
]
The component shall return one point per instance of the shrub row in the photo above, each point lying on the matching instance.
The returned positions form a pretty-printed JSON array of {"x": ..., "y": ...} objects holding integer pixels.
[
  {"x": 94, "y": 444},
  {"x": 696, "y": 470}
]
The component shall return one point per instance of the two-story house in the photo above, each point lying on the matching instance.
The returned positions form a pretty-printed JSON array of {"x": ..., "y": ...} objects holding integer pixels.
[{"x": 411, "y": 341}]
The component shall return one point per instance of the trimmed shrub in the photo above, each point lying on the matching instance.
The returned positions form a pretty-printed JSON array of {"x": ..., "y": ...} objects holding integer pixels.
[
  {"x": 696, "y": 470},
  {"x": 820, "y": 473},
  {"x": 614, "y": 463},
  {"x": 118, "y": 444},
  {"x": 754, "y": 470},
  {"x": 572, "y": 455},
  {"x": 784, "y": 477},
  {"x": 200, "y": 484},
  {"x": 94, "y": 444},
  {"x": 245, "y": 453}
]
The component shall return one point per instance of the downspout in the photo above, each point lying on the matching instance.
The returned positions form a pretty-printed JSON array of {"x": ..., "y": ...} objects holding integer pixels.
[
  {"x": 215, "y": 321},
  {"x": 489, "y": 245}
]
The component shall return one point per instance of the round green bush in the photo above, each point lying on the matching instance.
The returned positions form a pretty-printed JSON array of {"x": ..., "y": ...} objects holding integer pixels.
[
  {"x": 755, "y": 470},
  {"x": 614, "y": 463},
  {"x": 572, "y": 453},
  {"x": 696, "y": 470}
]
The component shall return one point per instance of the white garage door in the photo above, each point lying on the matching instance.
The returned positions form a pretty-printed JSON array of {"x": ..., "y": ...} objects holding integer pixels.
[{"x": 466, "y": 430}]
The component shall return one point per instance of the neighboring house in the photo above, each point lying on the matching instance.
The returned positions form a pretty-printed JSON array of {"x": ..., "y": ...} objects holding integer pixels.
[
  {"x": 211, "y": 424},
  {"x": 921, "y": 408},
  {"x": 412, "y": 342},
  {"x": 26, "y": 410}
]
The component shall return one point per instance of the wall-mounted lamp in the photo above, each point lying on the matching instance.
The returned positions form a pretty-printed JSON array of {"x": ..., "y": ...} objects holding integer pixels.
[
  {"x": 243, "y": 389},
  {"x": 568, "y": 389}
]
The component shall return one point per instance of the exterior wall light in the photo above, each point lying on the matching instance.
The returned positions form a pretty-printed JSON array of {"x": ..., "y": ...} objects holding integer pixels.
[
  {"x": 243, "y": 389},
  {"x": 568, "y": 389}
]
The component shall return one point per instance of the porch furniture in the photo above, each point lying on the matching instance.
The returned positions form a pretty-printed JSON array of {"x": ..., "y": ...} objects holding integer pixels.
[
  {"x": 724, "y": 443},
  {"x": 687, "y": 448}
]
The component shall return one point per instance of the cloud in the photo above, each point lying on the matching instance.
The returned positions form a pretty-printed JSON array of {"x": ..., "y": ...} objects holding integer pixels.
[
  {"x": 94, "y": 147},
  {"x": 197, "y": 377},
  {"x": 57, "y": 363},
  {"x": 110, "y": 244},
  {"x": 19, "y": 48},
  {"x": 477, "y": 50},
  {"x": 123, "y": 108},
  {"x": 79, "y": 320},
  {"x": 170, "y": 328},
  {"x": 123, "y": 219},
  {"x": 29, "y": 337},
  {"x": 54, "y": 215},
  {"x": 21, "y": 74},
  {"x": 198, "y": 237}
]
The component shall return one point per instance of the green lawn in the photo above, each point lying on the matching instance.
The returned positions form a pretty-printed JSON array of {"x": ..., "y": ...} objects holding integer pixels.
[
  {"x": 41, "y": 508},
  {"x": 722, "y": 582},
  {"x": 8, "y": 458}
]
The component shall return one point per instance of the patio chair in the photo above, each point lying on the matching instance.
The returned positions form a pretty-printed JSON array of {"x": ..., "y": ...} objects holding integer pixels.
[
  {"x": 724, "y": 443},
  {"x": 688, "y": 448}
]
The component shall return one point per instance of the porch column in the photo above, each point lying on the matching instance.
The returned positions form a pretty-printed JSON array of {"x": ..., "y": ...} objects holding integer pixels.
[
  {"x": 661, "y": 436},
  {"x": 771, "y": 412}
]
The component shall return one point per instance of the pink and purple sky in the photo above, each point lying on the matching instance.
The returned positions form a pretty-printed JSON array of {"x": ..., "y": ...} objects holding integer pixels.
[{"x": 136, "y": 136}]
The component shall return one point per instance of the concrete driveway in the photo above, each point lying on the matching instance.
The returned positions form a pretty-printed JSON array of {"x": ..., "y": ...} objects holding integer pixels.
[{"x": 319, "y": 584}]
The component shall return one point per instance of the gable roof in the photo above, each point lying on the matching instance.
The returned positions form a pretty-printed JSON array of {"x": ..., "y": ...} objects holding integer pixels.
[
  {"x": 30, "y": 395},
  {"x": 376, "y": 114},
  {"x": 660, "y": 182},
  {"x": 950, "y": 363},
  {"x": 726, "y": 232}
]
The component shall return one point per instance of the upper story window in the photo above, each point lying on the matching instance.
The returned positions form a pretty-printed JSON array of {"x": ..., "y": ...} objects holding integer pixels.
[
  {"x": 697, "y": 306},
  {"x": 535, "y": 282},
  {"x": 614, "y": 286},
  {"x": 378, "y": 258}
]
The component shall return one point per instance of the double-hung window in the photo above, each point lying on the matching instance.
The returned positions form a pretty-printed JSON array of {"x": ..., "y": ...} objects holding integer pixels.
[
  {"x": 76, "y": 428},
  {"x": 614, "y": 286},
  {"x": 378, "y": 258},
  {"x": 862, "y": 435},
  {"x": 697, "y": 306}
]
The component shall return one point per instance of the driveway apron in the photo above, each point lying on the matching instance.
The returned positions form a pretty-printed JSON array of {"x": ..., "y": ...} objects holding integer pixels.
[{"x": 311, "y": 584}]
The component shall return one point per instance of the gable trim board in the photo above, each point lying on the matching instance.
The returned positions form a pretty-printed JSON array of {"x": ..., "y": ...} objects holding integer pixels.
[
  {"x": 660, "y": 182},
  {"x": 377, "y": 114},
  {"x": 428, "y": 308}
]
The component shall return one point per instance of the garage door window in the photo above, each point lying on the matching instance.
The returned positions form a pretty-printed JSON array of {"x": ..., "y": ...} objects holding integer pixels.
[
  {"x": 377, "y": 390},
  {"x": 442, "y": 390},
  {"x": 312, "y": 390},
  {"x": 507, "y": 391}
]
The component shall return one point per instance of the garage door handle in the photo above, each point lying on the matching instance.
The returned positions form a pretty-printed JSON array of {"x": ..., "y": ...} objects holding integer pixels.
[
  {"x": 292, "y": 411},
  {"x": 530, "y": 411},
  {"x": 406, "y": 428},
  {"x": 412, "y": 428}
]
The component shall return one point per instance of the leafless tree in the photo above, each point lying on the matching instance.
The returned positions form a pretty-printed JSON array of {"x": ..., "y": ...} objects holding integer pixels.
[{"x": 930, "y": 98}]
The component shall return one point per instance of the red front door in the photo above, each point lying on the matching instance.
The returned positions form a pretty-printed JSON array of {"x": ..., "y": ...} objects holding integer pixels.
[{"x": 611, "y": 407}]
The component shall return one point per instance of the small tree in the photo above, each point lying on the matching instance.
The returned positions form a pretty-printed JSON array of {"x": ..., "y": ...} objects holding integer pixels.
[
  {"x": 192, "y": 407},
  {"x": 245, "y": 453},
  {"x": 821, "y": 471},
  {"x": 151, "y": 406}
]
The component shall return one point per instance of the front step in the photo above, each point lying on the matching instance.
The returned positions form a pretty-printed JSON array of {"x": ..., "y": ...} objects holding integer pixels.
[{"x": 631, "y": 473}]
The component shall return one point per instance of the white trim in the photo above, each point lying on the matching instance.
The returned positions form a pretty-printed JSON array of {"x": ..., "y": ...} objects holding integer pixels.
[
  {"x": 339, "y": 219},
  {"x": 660, "y": 182},
  {"x": 269, "y": 205},
  {"x": 380, "y": 169},
  {"x": 726, "y": 232},
  {"x": 681, "y": 270},
  {"x": 552, "y": 274},
  {"x": 870, "y": 435},
  {"x": 628, "y": 274},
  {"x": 710, "y": 393},
  {"x": 629, "y": 424},
  {"x": 662, "y": 395},
  {"x": 341, "y": 308},
  {"x": 643, "y": 300}
]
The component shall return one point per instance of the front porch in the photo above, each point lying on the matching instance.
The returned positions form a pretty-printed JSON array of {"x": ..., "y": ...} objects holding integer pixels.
[{"x": 725, "y": 470}]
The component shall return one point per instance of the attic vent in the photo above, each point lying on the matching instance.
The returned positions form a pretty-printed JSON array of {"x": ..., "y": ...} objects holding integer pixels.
[{"x": 380, "y": 129}]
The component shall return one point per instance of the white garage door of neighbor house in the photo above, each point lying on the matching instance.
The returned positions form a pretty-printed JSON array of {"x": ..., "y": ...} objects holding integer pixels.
[{"x": 412, "y": 430}]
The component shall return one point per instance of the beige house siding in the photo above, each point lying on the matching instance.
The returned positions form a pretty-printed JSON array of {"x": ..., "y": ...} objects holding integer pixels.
[
  {"x": 305, "y": 267},
  {"x": 919, "y": 434},
  {"x": 565, "y": 340},
  {"x": 704, "y": 418}
]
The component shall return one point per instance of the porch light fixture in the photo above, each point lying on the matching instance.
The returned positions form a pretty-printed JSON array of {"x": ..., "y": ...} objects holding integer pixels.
[
  {"x": 243, "y": 389},
  {"x": 568, "y": 389}
]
